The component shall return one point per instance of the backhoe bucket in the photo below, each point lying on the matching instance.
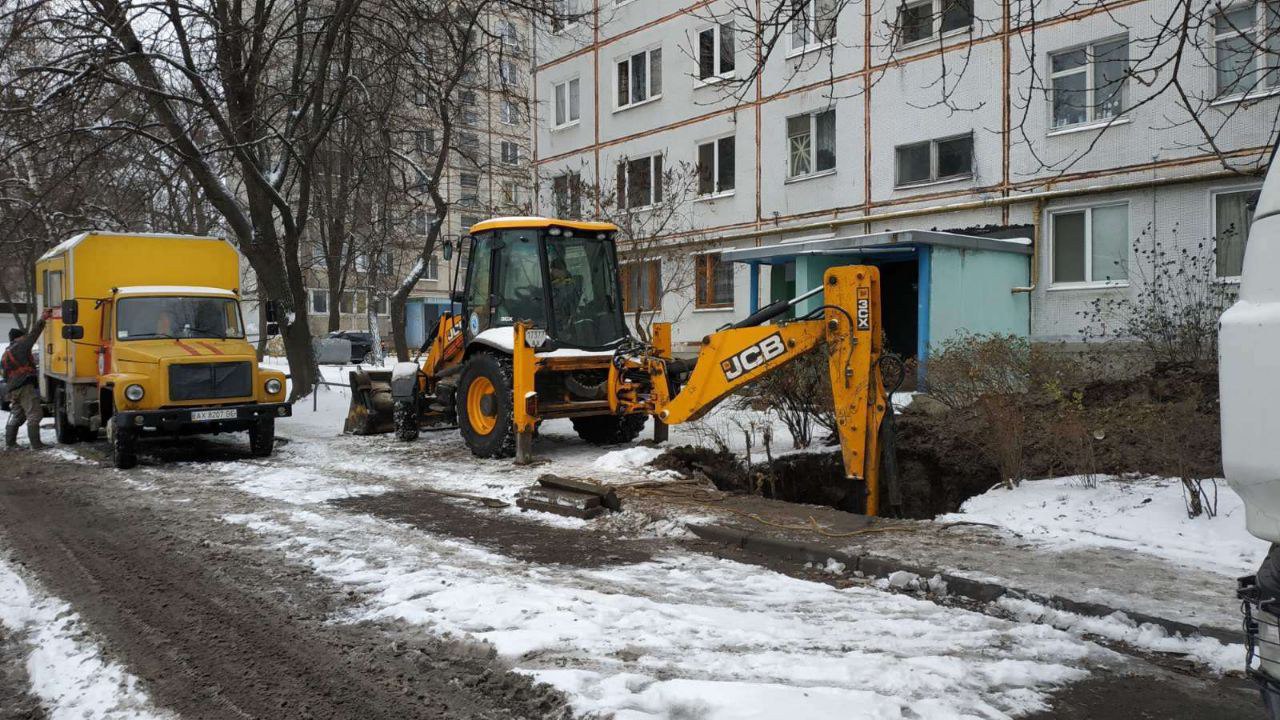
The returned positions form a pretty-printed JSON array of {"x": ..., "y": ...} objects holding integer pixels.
[{"x": 372, "y": 410}]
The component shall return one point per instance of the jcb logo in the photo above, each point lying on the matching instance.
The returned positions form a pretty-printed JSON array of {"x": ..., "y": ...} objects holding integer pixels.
[
  {"x": 753, "y": 357},
  {"x": 864, "y": 314}
]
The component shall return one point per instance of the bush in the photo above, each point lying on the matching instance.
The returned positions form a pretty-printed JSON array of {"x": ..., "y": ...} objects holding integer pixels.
[
  {"x": 1174, "y": 308},
  {"x": 800, "y": 396}
]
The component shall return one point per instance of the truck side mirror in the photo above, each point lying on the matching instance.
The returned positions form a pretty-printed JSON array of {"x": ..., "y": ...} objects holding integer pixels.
[
  {"x": 447, "y": 250},
  {"x": 70, "y": 312},
  {"x": 271, "y": 311},
  {"x": 72, "y": 332}
]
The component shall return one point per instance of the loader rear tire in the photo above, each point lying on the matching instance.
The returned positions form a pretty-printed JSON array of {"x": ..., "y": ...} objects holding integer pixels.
[
  {"x": 610, "y": 429},
  {"x": 406, "y": 419},
  {"x": 483, "y": 403}
]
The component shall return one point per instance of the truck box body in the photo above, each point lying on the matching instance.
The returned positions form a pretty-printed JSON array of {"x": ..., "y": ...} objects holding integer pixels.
[{"x": 89, "y": 265}]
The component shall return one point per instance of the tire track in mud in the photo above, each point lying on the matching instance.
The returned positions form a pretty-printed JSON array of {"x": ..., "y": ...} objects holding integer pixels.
[{"x": 215, "y": 628}]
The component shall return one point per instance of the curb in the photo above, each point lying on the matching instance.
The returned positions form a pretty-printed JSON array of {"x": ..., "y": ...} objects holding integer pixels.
[{"x": 979, "y": 590}]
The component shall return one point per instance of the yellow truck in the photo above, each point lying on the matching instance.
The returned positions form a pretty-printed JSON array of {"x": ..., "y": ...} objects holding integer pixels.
[{"x": 147, "y": 338}]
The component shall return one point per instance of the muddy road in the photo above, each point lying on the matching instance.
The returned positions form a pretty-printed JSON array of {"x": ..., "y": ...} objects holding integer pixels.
[
  {"x": 216, "y": 629},
  {"x": 173, "y": 574}
]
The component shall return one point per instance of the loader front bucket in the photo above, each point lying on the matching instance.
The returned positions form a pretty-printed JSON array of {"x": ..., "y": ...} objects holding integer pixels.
[{"x": 372, "y": 410}]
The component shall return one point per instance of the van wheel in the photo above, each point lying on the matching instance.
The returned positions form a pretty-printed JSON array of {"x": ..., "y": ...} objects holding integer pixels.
[
  {"x": 262, "y": 437},
  {"x": 124, "y": 444},
  {"x": 63, "y": 429},
  {"x": 609, "y": 429},
  {"x": 484, "y": 406}
]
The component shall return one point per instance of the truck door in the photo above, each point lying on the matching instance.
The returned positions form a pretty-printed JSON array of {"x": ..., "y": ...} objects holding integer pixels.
[{"x": 55, "y": 352}]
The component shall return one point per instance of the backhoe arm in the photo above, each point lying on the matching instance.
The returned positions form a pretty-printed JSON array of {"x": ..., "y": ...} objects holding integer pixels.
[{"x": 848, "y": 323}]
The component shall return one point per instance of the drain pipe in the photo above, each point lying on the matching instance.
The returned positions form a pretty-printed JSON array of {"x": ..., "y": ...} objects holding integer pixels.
[{"x": 1037, "y": 232}]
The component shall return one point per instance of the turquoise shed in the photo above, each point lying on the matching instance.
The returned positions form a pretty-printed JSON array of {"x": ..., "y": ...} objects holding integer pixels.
[{"x": 934, "y": 285}]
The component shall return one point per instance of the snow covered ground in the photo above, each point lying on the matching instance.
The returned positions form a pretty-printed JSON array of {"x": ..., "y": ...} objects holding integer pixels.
[
  {"x": 65, "y": 668},
  {"x": 1145, "y": 515}
]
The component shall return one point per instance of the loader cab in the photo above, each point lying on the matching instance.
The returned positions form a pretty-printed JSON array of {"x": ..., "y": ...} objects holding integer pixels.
[{"x": 562, "y": 276}]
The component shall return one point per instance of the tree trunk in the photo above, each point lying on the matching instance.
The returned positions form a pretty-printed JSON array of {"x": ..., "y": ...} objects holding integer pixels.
[
  {"x": 335, "y": 299},
  {"x": 262, "y": 326},
  {"x": 398, "y": 302}
]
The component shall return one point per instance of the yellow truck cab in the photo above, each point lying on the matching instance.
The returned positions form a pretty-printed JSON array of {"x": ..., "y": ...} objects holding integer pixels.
[{"x": 147, "y": 337}]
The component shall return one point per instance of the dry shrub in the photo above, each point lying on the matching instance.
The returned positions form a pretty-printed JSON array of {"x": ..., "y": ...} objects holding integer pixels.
[{"x": 799, "y": 395}]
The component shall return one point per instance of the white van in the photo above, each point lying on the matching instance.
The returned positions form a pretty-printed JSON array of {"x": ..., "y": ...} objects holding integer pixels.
[{"x": 1249, "y": 380}]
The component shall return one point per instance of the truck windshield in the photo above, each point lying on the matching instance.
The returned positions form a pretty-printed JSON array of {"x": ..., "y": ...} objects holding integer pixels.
[{"x": 143, "y": 318}]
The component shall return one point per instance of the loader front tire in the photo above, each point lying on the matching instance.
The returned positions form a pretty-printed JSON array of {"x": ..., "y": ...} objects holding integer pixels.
[
  {"x": 610, "y": 429},
  {"x": 484, "y": 405}
]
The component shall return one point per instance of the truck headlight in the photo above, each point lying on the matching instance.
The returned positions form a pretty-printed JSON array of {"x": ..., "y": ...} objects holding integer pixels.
[
  {"x": 535, "y": 337},
  {"x": 134, "y": 393},
  {"x": 273, "y": 386}
]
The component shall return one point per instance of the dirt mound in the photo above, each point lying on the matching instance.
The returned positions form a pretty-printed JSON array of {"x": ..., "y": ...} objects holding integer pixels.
[{"x": 816, "y": 478}]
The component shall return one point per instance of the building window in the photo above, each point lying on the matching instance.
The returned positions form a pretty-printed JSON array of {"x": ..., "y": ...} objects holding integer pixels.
[
  {"x": 641, "y": 283},
  {"x": 1232, "y": 219},
  {"x": 470, "y": 117},
  {"x": 1091, "y": 245},
  {"x": 469, "y": 221},
  {"x": 432, "y": 271},
  {"x": 945, "y": 159},
  {"x": 1241, "y": 63},
  {"x": 510, "y": 193},
  {"x": 424, "y": 141},
  {"x": 468, "y": 98},
  {"x": 509, "y": 34},
  {"x": 420, "y": 98},
  {"x": 929, "y": 19},
  {"x": 319, "y": 302},
  {"x": 713, "y": 281},
  {"x": 716, "y": 52},
  {"x": 419, "y": 178},
  {"x": 508, "y": 112},
  {"x": 813, "y": 23},
  {"x": 567, "y": 102},
  {"x": 510, "y": 153},
  {"x": 347, "y": 302},
  {"x": 811, "y": 143},
  {"x": 567, "y": 14},
  {"x": 716, "y": 167},
  {"x": 421, "y": 222},
  {"x": 640, "y": 78},
  {"x": 381, "y": 305},
  {"x": 566, "y": 191},
  {"x": 1087, "y": 83},
  {"x": 507, "y": 71},
  {"x": 639, "y": 182}
]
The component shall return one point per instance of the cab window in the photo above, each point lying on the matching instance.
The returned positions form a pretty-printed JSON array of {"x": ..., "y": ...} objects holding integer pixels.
[
  {"x": 518, "y": 276},
  {"x": 478, "y": 271}
]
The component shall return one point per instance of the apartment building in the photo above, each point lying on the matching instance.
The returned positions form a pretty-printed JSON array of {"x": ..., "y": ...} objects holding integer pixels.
[
  {"x": 489, "y": 173},
  {"x": 999, "y": 162}
]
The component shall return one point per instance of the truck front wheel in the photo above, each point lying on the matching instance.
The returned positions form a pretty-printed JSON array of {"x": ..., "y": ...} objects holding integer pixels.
[
  {"x": 124, "y": 444},
  {"x": 262, "y": 437}
]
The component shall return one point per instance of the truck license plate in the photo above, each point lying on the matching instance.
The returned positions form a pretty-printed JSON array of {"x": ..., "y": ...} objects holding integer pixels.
[{"x": 199, "y": 415}]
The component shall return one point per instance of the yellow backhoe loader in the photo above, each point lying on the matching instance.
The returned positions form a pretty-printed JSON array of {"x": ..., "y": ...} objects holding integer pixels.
[{"x": 541, "y": 334}]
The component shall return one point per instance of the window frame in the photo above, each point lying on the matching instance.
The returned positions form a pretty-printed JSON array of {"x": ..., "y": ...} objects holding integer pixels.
[
  {"x": 716, "y": 190},
  {"x": 431, "y": 270},
  {"x": 1090, "y": 72},
  {"x": 1214, "y": 194},
  {"x": 312, "y": 295},
  {"x": 813, "y": 144},
  {"x": 1088, "y": 283},
  {"x": 656, "y": 189},
  {"x": 652, "y": 292},
  {"x": 934, "y": 178},
  {"x": 813, "y": 41},
  {"x": 572, "y": 197},
  {"x": 629, "y": 58},
  {"x": 504, "y": 146},
  {"x": 704, "y": 271},
  {"x": 508, "y": 112},
  {"x": 937, "y": 8},
  {"x": 577, "y": 15},
  {"x": 570, "y": 118},
  {"x": 718, "y": 74},
  {"x": 1266, "y": 85}
]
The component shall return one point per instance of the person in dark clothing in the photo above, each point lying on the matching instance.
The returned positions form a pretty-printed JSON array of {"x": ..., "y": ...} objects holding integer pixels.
[{"x": 22, "y": 379}]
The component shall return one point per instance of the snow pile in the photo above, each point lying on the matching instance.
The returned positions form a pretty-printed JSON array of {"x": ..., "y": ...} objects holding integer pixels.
[
  {"x": 626, "y": 461},
  {"x": 713, "y": 638},
  {"x": 66, "y": 670},
  {"x": 1146, "y": 516},
  {"x": 1119, "y": 627}
]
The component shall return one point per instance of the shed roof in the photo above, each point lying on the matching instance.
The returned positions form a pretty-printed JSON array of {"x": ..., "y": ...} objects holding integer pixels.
[{"x": 888, "y": 241}]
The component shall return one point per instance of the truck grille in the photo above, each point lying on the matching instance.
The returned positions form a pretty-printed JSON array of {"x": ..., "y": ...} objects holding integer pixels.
[{"x": 210, "y": 381}]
